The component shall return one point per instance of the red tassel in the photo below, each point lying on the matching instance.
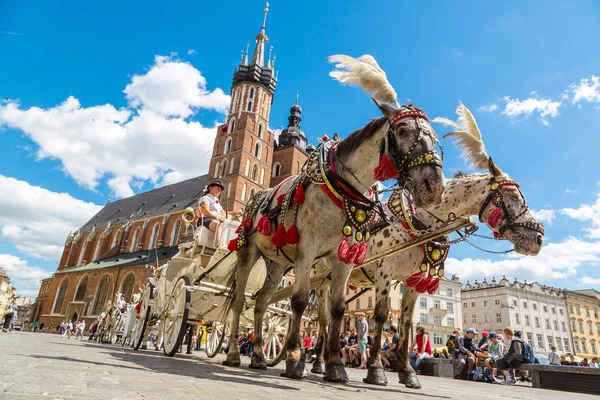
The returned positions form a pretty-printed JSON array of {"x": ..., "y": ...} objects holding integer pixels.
[
  {"x": 239, "y": 228},
  {"x": 343, "y": 250},
  {"x": 352, "y": 253},
  {"x": 291, "y": 236},
  {"x": 280, "y": 198},
  {"x": 138, "y": 307},
  {"x": 246, "y": 221},
  {"x": 385, "y": 170},
  {"x": 352, "y": 287},
  {"x": 299, "y": 195},
  {"x": 278, "y": 238},
  {"x": 263, "y": 225},
  {"x": 433, "y": 286},
  {"x": 232, "y": 246},
  {"x": 362, "y": 253},
  {"x": 424, "y": 284},
  {"x": 414, "y": 279},
  {"x": 494, "y": 217},
  {"x": 496, "y": 235},
  {"x": 267, "y": 227}
]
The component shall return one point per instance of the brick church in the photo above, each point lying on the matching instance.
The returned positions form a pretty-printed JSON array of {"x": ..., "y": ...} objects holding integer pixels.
[{"x": 113, "y": 252}]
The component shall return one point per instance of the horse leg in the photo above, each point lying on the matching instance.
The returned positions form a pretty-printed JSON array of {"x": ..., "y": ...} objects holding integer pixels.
[
  {"x": 406, "y": 374},
  {"x": 294, "y": 362},
  {"x": 334, "y": 369},
  {"x": 247, "y": 257},
  {"x": 274, "y": 273},
  {"x": 375, "y": 373},
  {"x": 323, "y": 316}
]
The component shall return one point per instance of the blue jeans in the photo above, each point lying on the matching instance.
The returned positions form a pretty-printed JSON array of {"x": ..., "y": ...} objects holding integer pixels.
[{"x": 416, "y": 362}]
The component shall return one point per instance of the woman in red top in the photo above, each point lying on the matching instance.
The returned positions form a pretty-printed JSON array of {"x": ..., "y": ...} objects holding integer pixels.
[
  {"x": 423, "y": 348},
  {"x": 306, "y": 345}
]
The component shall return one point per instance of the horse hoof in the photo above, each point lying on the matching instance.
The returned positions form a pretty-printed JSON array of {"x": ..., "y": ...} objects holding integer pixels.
[
  {"x": 376, "y": 376},
  {"x": 295, "y": 370},
  {"x": 335, "y": 373},
  {"x": 409, "y": 379},
  {"x": 318, "y": 367},
  {"x": 258, "y": 364},
  {"x": 232, "y": 362}
]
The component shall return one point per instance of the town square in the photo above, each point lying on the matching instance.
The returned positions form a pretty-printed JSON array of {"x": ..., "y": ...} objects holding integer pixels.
[{"x": 299, "y": 200}]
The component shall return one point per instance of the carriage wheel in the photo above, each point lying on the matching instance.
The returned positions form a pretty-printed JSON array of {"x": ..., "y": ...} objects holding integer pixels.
[
  {"x": 214, "y": 340},
  {"x": 141, "y": 321},
  {"x": 273, "y": 348},
  {"x": 176, "y": 316}
]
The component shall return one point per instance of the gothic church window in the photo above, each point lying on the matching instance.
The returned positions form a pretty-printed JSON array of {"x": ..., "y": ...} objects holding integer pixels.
[
  {"x": 81, "y": 289},
  {"x": 254, "y": 172},
  {"x": 250, "y": 98},
  {"x": 82, "y": 254},
  {"x": 247, "y": 168},
  {"x": 257, "y": 150},
  {"x": 60, "y": 297},
  {"x": 244, "y": 192},
  {"x": 175, "y": 234},
  {"x": 154, "y": 237},
  {"x": 260, "y": 130},
  {"x": 231, "y": 125},
  {"x": 264, "y": 106},
  {"x": 227, "y": 148},
  {"x": 127, "y": 288},
  {"x": 223, "y": 169},
  {"x": 134, "y": 242},
  {"x": 101, "y": 294},
  {"x": 116, "y": 239},
  {"x": 262, "y": 176},
  {"x": 276, "y": 169},
  {"x": 231, "y": 164}
]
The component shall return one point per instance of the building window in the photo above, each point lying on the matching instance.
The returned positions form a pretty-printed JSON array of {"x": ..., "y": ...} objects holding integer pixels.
[
  {"x": 567, "y": 347},
  {"x": 437, "y": 320},
  {"x": 81, "y": 289},
  {"x": 127, "y": 287},
  {"x": 450, "y": 307},
  {"x": 82, "y": 253},
  {"x": 474, "y": 318},
  {"x": 60, "y": 297},
  {"x": 580, "y": 323},
  {"x": 595, "y": 313},
  {"x": 560, "y": 311},
  {"x": 486, "y": 318},
  {"x": 423, "y": 302},
  {"x": 545, "y": 309},
  {"x": 175, "y": 234},
  {"x": 251, "y": 95},
  {"x": 547, "y": 323},
  {"x": 563, "y": 326},
  {"x": 227, "y": 147},
  {"x": 497, "y": 302},
  {"x": 231, "y": 164},
  {"x": 587, "y": 312},
  {"x": 535, "y": 306},
  {"x": 97, "y": 249},
  {"x": 590, "y": 329},
  {"x": 524, "y": 305},
  {"x": 116, "y": 239},
  {"x": 252, "y": 192},
  {"x": 235, "y": 100},
  {"x": 498, "y": 317},
  {"x": 276, "y": 169},
  {"x": 464, "y": 318},
  {"x": 437, "y": 339},
  {"x": 257, "y": 150},
  {"x": 540, "y": 341},
  {"x": 244, "y": 192},
  {"x": 464, "y": 305},
  {"x": 537, "y": 322},
  {"x": 517, "y": 319},
  {"x": 550, "y": 342},
  {"x": 249, "y": 108},
  {"x": 577, "y": 309},
  {"x": 223, "y": 169},
  {"x": 262, "y": 176},
  {"x": 558, "y": 344},
  {"x": 134, "y": 242},
  {"x": 436, "y": 304},
  {"x": 576, "y": 344},
  {"x": 593, "y": 344},
  {"x": 485, "y": 303},
  {"x": 553, "y": 310},
  {"x": 231, "y": 125},
  {"x": 154, "y": 237},
  {"x": 527, "y": 320},
  {"x": 370, "y": 302},
  {"x": 423, "y": 318},
  {"x": 555, "y": 323},
  {"x": 357, "y": 304},
  {"x": 254, "y": 176},
  {"x": 573, "y": 325},
  {"x": 598, "y": 328},
  {"x": 530, "y": 339},
  {"x": 450, "y": 322},
  {"x": 449, "y": 292},
  {"x": 101, "y": 294},
  {"x": 217, "y": 169},
  {"x": 401, "y": 289},
  {"x": 472, "y": 304},
  {"x": 263, "y": 108},
  {"x": 571, "y": 308},
  {"x": 260, "y": 128},
  {"x": 584, "y": 346},
  {"x": 514, "y": 303},
  {"x": 247, "y": 171}
]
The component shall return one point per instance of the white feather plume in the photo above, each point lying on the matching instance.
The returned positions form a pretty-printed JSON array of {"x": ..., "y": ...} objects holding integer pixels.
[
  {"x": 366, "y": 73},
  {"x": 467, "y": 137}
]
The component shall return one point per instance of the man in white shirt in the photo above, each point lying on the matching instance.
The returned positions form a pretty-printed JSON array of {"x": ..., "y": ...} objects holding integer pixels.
[{"x": 212, "y": 214}]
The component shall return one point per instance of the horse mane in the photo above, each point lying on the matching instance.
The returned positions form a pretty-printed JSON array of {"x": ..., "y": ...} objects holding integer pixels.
[
  {"x": 467, "y": 137},
  {"x": 351, "y": 143},
  {"x": 459, "y": 175}
]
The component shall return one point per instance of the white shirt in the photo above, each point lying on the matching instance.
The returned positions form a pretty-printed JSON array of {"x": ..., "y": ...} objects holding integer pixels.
[{"x": 213, "y": 203}]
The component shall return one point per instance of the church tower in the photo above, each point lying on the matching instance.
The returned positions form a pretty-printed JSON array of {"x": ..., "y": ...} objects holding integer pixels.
[
  {"x": 243, "y": 150},
  {"x": 292, "y": 151}
]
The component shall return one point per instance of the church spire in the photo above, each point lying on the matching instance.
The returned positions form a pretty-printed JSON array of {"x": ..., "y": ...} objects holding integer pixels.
[{"x": 258, "y": 57}]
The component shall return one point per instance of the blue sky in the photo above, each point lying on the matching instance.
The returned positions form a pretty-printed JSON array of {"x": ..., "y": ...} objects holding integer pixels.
[{"x": 106, "y": 100}]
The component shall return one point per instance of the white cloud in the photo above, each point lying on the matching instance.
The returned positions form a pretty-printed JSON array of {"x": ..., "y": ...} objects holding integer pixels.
[
  {"x": 145, "y": 142},
  {"x": 586, "y": 280},
  {"x": 191, "y": 52},
  {"x": 555, "y": 261},
  {"x": 544, "y": 107},
  {"x": 23, "y": 276},
  {"x": 544, "y": 215},
  {"x": 571, "y": 191},
  {"x": 587, "y": 212},
  {"x": 586, "y": 90},
  {"x": 488, "y": 107},
  {"x": 36, "y": 220}
]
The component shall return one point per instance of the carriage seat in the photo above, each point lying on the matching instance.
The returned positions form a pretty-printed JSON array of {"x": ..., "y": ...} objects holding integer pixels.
[{"x": 205, "y": 237}]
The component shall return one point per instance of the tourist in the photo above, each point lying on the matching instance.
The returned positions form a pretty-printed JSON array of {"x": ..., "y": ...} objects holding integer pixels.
[
  {"x": 311, "y": 347},
  {"x": 390, "y": 354},
  {"x": 572, "y": 361},
  {"x": 423, "y": 345},
  {"x": 514, "y": 358},
  {"x": 585, "y": 363},
  {"x": 563, "y": 361},
  {"x": 343, "y": 344},
  {"x": 363, "y": 331},
  {"x": 466, "y": 356},
  {"x": 483, "y": 343},
  {"x": 351, "y": 347},
  {"x": 445, "y": 355},
  {"x": 452, "y": 344},
  {"x": 80, "y": 329},
  {"x": 553, "y": 357},
  {"x": 211, "y": 212},
  {"x": 9, "y": 316},
  {"x": 496, "y": 351}
]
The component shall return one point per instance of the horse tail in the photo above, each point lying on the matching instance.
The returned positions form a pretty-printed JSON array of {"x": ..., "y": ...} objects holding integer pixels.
[{"x": 231, "y": 284}]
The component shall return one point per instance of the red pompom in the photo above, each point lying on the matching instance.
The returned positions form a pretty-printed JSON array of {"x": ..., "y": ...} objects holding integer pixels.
[
  {"x": 246, "y": 221},
  {"x": 280, "y": 198},
  {"x": 343, "y": 250},
  {"x": 362, "y": 253},
  {"x": 414, "y": 279},
  {"x": 299, "y": 195},
  {"x": 494, "y": 217},
  {"x": 433, "y": 286},
  {"x": 264, "y": 225},
  {"x": 385, "y": 170},
  {"x": 325, "y": 138},
  {"x": 352, "y": 253},
  {"x": 424, "y": 284},
  {"x": 232, "y": 246},
  {"x": 278, "y": 238},
  {"x": 291, "y": 236}
]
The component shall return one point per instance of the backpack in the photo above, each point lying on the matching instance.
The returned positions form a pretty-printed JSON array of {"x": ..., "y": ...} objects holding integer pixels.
[
  {"x": 451, "y": 344},
  {"x": 528, "y": 354}
]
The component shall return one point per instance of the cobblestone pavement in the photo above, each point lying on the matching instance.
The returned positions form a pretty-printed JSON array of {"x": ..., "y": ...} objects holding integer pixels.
[{"x": 45, "y": 366}]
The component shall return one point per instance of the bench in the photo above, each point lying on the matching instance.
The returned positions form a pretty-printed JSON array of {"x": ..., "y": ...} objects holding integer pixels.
[
  {"x": 564, "y": 377},
  {"x": 439, "y": 367}
]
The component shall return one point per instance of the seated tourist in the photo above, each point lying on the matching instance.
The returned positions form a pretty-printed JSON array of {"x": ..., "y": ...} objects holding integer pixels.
[
  {"x": 211, "y": 212},
  {"x": 466, "y": 355},
  {"x": 390, "y": 354},
  {"x": 553, "y": 357},
  {"x": 423, "y": 345},
  {"x": 513, "y": 359},
  {"x": 496, "y": 351}
]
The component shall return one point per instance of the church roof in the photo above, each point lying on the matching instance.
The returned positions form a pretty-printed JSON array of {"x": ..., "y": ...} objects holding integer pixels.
[{"x": 166, "y": 199}]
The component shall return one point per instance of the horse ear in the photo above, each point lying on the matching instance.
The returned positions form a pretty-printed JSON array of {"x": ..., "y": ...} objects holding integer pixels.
[
  {"x": 494, "y": 169},
  {"x": 336, "y": 136},
  {"x": 386, "y": 109}
]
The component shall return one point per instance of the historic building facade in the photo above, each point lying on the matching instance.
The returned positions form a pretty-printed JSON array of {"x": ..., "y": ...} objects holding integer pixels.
[
  {"x": 439, "y": 313},
  {"x": 117, "y": 249},
  {"x": 583, "y": 307},
  {"x": 538, "y": 311}
]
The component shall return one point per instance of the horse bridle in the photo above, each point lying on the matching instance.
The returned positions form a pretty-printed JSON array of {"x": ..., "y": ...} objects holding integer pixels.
[
  {"x": 496, "y": 197},
  {"x": 403, "y": 163}
]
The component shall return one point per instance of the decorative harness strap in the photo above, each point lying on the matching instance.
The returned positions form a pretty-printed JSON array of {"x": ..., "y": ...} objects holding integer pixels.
[{"x": 496, "y": 198}]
